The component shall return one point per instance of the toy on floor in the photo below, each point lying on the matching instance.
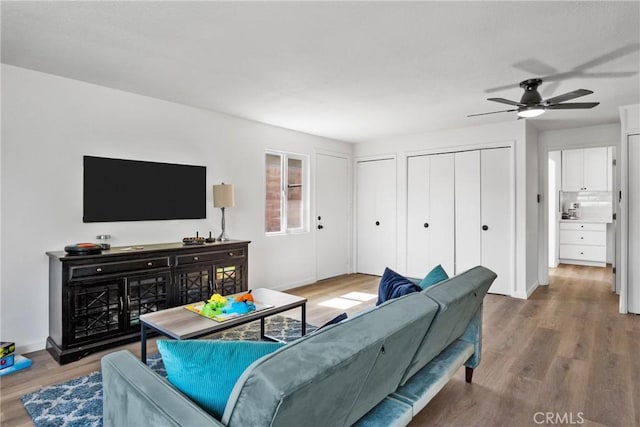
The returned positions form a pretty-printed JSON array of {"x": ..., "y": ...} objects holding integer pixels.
[{"x": 9, "y": 362}]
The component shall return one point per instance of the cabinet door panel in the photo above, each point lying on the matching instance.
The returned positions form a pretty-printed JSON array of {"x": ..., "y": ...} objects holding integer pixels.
[
  {"x": 595, "y": 169},
  {"x": 96, "y": 310},
  {"x": 496, "y": 213},
  {"x": 146, "y": 294},
  {"x": 193, "y": 285},
  {"x": 467, "y": 200},
  {"x": 572, "y": 170}
]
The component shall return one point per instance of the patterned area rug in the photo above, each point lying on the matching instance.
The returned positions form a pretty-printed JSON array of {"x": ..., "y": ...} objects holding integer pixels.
[{"x": 78, "y": 402}]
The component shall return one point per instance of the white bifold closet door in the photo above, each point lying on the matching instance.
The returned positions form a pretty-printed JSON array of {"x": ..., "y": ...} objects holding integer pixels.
[
  {"x": 468, "y": 214},
  {"x": 496, "y": 213},
  {"x": 460, "y": 213},
  {"x": 430, "y": 214},
  {"x": 483, "y": 214},
  {"x": 376, "y": 216}
]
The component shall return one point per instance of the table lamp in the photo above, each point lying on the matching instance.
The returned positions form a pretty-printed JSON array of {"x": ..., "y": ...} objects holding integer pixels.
[{"x": 223, "y": 198}]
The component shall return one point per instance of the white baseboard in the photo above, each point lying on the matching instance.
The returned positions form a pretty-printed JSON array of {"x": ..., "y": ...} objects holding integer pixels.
[{"x": 529, "y": 291}]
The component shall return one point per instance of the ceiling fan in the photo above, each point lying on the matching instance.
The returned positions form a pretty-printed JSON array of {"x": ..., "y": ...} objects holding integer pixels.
[{"x": 532, "y": 105}]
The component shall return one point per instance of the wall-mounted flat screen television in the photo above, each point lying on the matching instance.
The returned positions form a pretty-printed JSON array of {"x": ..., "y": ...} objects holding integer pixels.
[{"x": 132, "y": 190}]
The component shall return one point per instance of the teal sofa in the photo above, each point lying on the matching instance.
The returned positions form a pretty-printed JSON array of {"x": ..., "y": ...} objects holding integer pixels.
[{"x": 378, "y": 368}]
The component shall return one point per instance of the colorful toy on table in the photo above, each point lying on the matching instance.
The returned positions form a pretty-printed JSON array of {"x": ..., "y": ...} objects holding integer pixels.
[{"x": 217, "y": 305}]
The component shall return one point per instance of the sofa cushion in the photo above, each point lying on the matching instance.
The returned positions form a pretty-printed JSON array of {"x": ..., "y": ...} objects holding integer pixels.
[
  {"x": 335, "y": 375},
  {"x": 207, "y": 370},
  {"x": 394, "y": 285},
  {"x": 436, "y": 275},
  {"x": 458, "y": 298}
]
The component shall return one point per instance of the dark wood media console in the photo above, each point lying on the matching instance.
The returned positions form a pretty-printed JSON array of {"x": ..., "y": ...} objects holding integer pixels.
[{"x": 95, "y": 301}]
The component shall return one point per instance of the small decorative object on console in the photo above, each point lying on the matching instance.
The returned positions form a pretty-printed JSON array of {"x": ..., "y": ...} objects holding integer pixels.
[
  {"x": 83, "y": 249},
  {"x": 104, "y": 241},
  {"x": 193, "y": 240}
]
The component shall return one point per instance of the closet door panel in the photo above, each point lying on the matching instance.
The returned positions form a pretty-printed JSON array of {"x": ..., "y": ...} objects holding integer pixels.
[
  {"x": 376, "y": 216},
  {"x": 467, "y": 207},
  {"x": 496, "y": 213},
  {"x": 442, "y": 214},
  {"x": 417, "y": 215}
]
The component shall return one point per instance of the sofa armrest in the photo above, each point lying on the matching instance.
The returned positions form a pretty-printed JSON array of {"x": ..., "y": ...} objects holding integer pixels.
[
  {"x": 473, "y": 335},
  {"x": 134, "y": 395}
]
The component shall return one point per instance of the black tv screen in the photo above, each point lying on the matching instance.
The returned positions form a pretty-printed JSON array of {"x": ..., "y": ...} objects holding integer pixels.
[{"x": 132, "y": 190}]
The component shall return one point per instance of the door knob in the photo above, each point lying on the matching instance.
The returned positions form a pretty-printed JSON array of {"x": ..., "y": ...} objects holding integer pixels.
[
  {"x": 485, "y": 227},
  {"x": 426, "y": 225},
  {"x": 377, "y": 223},
  {"x": 320, "y": 227}
]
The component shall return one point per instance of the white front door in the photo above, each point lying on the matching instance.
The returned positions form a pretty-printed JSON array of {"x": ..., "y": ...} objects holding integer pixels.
[{"x": 332, "y": 216}]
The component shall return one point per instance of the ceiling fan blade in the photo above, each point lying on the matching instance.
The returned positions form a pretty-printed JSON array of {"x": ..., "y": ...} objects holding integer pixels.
[
  {"x": 572, "y": 105},
  {"x": 493, "y": 112},
  {"x": 501, "y": 88},
  {"x": 608, "y": 57},
  {"x": 505, "y": 101},
  {"x": 567, "y": 96}
]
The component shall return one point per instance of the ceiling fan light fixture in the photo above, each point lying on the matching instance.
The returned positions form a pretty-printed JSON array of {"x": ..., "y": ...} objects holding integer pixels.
[{"x": 530, "y": 112}]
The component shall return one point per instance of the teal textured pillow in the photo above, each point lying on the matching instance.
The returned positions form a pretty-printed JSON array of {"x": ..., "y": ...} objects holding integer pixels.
[
  {"x": 436, "y": 275},
  {"x": 207, "y": 370}
]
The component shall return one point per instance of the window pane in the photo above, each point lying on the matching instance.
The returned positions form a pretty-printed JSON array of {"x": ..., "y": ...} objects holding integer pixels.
[
  {"x": 273, "y": 210},
  {"x": 294, "y": 193}
]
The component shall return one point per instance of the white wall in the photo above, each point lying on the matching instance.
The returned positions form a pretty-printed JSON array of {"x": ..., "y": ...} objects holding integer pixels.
[
  {"x": 49, "y": 123},
  {"x": 502, "y": 134},
  {"x": 534, "y": 239},
  {"x": 583, "y": 137},
  {"x": 555, "y": 159}
]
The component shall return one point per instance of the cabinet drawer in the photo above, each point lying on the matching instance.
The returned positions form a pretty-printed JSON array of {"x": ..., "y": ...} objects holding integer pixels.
[
  {"x": 206, "y": 257},
  {"x": 579, "y": 237},
  {"x": 104, "y": 268},
  {"x": 584, "y": 253},
  {"x": 590, "y": 226}
]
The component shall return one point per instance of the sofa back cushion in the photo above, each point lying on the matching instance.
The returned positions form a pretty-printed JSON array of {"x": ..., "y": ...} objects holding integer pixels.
[
  {"x": 458, "y": 299},
  {"x": 335, "y": 375}
]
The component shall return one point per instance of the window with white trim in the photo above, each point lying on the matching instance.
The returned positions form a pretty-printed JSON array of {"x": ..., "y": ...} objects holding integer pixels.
[{"x": 286, "y": 204}]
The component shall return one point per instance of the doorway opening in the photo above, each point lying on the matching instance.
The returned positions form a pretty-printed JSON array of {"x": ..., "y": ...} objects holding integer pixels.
[{"x": 582, "y": 215}]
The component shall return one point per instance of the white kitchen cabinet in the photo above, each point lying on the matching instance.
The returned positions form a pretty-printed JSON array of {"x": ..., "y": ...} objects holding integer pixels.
[
  {"x": 430, "y": 213},
  {"x": 460, "y": 213},
  {"x": 376, "y": 216},
  {"x": 585, "y": 169},
  {"x": 583, "y": 243}
]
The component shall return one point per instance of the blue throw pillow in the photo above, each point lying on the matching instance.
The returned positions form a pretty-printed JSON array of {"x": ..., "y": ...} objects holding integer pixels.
[
  {"x": 339, "y": 318},
  {"x": 207, "y": 370},
  {"x": 394, "y": 285},
  {"x": 436, "y": 275}
]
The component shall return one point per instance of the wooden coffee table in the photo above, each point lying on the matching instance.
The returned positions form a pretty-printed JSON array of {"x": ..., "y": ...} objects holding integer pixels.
[{"x": 181, "y": 324}]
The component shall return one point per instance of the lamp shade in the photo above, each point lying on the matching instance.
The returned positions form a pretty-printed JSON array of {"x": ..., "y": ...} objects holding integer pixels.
[{"x": 223, "y": 196}]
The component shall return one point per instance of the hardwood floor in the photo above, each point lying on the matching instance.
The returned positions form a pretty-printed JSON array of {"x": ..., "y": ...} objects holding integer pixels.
[{"x": 565, "y": 353}]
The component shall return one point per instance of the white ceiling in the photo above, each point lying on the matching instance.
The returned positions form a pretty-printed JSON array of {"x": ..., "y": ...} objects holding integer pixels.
[{"x": 353, "y": 71}]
